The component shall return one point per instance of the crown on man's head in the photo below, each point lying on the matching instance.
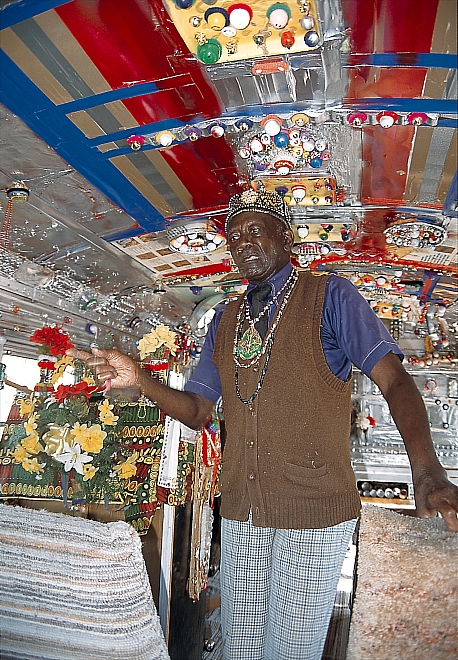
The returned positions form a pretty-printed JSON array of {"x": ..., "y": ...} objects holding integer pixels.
[{"x": 270, "y": 203}]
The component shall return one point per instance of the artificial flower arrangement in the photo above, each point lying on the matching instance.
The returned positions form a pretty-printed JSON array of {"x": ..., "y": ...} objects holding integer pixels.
[
  {"x": 54, "y": 342},
  {"x": 365, "y": 422},
  {"x": 71, "y": 432},
  {"x": 158, "y": 344}
]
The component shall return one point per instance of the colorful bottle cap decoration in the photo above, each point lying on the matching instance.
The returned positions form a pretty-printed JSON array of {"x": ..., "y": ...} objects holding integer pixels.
[
  {"x": 272, "y": 124},
  {"x": 386, "y": 119},
  {"x": 240, "y": 16},
  {"x": 278, "y": 14},
  {"x": 209, "y": 52},
  {"x": 217, "y": 18},
  {"x": 311, "y": 38}
]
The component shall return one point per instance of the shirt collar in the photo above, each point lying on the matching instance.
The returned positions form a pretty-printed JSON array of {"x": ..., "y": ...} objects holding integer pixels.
[{"x": 276, "y": 281}]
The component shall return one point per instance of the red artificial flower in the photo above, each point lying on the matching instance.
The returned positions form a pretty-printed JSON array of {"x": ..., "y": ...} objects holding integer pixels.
[
  {"x": 65, "y": 391},
  {"x": 371, "y": 420},
  {"x": 54, "y": 338}
]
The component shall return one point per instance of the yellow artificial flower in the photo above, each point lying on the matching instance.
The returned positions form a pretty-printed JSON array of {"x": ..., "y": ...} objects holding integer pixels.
[
  {"x": 26, "y": 406},
  {"x": 32, "y": 465},
  {"x": 107, "y": 417},
  {"x": 89, "y": 471},
  {"x": 19, "y": 454},
  {"x": 32, "y": 443},
  {"x": 93, "y": 439},
  {"x": 60, "y": 367},
  {"x": 30, "y": 426},
  {"x": 89, "y": 380},
  {"x": 78, "y": 432},
  {"x": 162, "y": 336},
  {"x": 147, "y": 345},
  {"x": 166, "y": 337},
  {"x": 128, "y": 468}
]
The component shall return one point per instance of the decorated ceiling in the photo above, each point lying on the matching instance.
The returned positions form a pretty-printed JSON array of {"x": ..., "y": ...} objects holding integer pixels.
[{"x": 126, "y": 125}]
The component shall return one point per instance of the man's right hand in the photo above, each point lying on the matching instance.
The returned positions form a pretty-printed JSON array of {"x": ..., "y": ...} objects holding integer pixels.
[{"x": 110, "y": 368}]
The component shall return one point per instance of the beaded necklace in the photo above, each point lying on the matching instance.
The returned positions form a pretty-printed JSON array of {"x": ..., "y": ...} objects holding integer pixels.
[
  {"x": 249, "y": 345},
  {"x": 267, "y": 344}
]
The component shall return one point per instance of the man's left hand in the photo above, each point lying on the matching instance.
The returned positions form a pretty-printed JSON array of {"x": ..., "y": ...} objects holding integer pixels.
[{"x": 436, "y": 494}]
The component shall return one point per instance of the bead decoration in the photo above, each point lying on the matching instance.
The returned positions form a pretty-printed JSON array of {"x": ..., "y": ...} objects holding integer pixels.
[{"x": 268, "y": 341}]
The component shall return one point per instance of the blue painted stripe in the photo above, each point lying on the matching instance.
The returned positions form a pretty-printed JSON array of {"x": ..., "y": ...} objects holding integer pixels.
[
  {"x": 126, "y": 233},
  {"x": 435, "y": 106},
  {"x": 447, "y": 122},
  {"x": 451, "y": 201},
  {"x": 405, "y": 60},
  {"x": 128, "y": 92},
  {"x": 16, "y": 12},
  {"x": 48, "y": 121}
]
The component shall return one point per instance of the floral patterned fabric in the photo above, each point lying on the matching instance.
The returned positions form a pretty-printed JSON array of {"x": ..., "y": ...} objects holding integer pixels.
[{"x": 142, "y": 434}]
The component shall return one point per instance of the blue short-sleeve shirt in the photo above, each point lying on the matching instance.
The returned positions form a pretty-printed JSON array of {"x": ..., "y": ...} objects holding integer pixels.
[{"x": 351, "y": 333}]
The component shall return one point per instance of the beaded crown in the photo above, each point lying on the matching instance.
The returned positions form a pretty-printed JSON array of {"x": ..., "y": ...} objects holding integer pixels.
[{"x": 270, "y": 203}]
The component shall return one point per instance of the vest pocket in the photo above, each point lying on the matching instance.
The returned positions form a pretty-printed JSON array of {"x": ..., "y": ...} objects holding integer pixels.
[{"x": 303, "y": 474}]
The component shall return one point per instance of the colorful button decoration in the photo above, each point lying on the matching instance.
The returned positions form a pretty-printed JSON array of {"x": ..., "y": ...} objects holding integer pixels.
[{"x": 415, "y": 234}]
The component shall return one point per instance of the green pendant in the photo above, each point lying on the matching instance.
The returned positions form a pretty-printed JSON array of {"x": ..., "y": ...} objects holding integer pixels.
[{"x": 250, "y": 344}]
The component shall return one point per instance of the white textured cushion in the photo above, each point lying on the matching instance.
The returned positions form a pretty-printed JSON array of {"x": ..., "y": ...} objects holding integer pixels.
[{"x": 75, "y": 589}]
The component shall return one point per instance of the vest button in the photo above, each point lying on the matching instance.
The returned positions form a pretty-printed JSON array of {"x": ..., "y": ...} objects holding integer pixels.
[
  {"x": 252, "y": 476},
  {"x": 250, "y": 443}
]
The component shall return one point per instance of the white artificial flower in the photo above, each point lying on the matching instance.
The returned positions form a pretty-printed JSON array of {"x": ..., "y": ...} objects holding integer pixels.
[{"x": 72, "y": 457}]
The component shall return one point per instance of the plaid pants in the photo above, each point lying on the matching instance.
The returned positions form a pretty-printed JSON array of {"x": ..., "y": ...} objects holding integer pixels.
[{"x": 278, "y": 588}]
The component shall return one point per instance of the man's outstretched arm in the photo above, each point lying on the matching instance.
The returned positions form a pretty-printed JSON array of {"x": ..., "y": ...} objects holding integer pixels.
[
  {"x": 433, "y": 491},
  {"x": 112, "y": 369}
]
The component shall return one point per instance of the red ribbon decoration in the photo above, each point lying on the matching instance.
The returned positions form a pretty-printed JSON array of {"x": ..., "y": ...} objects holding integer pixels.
[
  {"x": 46, "y": 364},
  {"x": 158, "y": 366}
]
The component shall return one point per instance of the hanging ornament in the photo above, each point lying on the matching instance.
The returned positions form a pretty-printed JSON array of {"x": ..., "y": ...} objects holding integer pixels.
[
  {"x": 311, "y": 39},
  {"x": 281, "y": 139},
  {"x": 217, "y": 130},
  {"x": 417, "y": 118},
  {"x": 232, "y": 46},
  {"x": 165, "y": 138},
  {"x": 278, "y": 15},
  {"x": 271, "y": 124},
  {"x": 210, "y": 52},
  {"x": 240, "y": 16},
  {"x": 193, "y": 133},
  {"x": 135, "y": 142},
  {"x": 217, "y": 18},
  {"x": 287, "y": 39},
  {"x": 357, "y": 119},
  {"x": 298, "y": 191},
  {"x": 300, "y": 119},
  {"x": 386, "y": 119},
  {"x": 16, "y": 193},
  {"x": 307, "y": 22}
]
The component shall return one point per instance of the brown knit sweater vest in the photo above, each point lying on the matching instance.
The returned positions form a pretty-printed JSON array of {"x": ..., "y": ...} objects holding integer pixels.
[{"x": 289, "y": 460}]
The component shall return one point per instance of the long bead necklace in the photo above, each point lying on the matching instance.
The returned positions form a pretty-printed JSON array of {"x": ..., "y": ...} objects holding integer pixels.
[
  {"x": 267, "y": 346},
  {"x": 249, "y": 345}
]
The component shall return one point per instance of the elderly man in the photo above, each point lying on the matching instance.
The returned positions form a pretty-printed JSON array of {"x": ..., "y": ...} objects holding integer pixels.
[{"x": 280, "y": 356}]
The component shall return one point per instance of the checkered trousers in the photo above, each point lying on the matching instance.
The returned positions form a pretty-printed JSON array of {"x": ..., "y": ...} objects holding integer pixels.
[{"x": 278, "y": 588}]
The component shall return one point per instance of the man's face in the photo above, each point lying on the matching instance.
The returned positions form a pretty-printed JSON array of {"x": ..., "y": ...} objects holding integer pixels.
[{"x": 260, "y": 245}]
